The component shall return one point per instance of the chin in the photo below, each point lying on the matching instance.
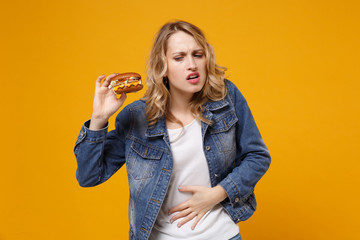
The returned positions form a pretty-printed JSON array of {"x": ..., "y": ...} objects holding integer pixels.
[{"x": 196, "y": 89}]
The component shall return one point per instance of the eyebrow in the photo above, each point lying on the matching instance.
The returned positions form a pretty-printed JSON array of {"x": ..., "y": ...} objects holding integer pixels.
[{"x": 183, "y": 53}]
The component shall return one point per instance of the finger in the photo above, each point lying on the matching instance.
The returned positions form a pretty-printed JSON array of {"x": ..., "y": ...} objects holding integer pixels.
[
  {"x": 107, "y": 81},
  {"x": 122, "y": 98},
  {"x": 186, "y": 219},
  {"x": 182, "y": 214},
  {"x": 98, "y": 80},
  {"x": 180, "y": 207},
  {"x": 187, "y": 188},
  {"x": 197, "y": 220}
]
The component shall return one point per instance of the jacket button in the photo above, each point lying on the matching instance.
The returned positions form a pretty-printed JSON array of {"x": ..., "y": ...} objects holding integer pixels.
[
  {"x": 207, "y": 148},
  {"x": 82, "y": 133},
  {"x": 237, "y": 199}
]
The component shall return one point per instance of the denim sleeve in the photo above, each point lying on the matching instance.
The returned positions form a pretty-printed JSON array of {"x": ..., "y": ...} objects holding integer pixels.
[
  {"x": 100, "y": 153},
  {"x": 252, "y": 157}
]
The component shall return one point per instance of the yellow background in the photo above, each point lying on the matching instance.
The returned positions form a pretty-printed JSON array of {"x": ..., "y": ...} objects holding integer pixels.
[{"x": 296, "y": 62}]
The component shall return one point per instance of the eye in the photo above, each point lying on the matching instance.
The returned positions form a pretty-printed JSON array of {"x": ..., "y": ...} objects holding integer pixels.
[
  {"x": 198, "y": 55},
  {"x": 178, "y": 58}
]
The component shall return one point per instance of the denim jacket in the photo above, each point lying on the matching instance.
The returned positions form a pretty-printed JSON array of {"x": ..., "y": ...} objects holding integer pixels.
[{"x": 236, "y": 154}]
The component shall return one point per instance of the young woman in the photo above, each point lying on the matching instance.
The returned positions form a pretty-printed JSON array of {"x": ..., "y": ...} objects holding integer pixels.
[{"x": 192, "y": 150}]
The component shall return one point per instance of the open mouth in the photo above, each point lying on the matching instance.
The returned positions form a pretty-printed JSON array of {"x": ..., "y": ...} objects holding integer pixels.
[{"x": 193, "y": 76}]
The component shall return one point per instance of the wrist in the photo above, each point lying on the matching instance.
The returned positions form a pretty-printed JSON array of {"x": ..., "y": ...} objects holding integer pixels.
[
  {"x": 220, "y": 193},
  {"x": 97, "y": 123}
]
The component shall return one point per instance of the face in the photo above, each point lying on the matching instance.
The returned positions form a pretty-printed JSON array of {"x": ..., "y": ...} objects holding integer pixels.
[{"x": 186, "y": 65}]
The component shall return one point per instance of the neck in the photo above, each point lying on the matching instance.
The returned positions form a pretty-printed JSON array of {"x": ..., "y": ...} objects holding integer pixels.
[
  {"x": 179, "y": 107},
  {"x": 179, "y": 102}
]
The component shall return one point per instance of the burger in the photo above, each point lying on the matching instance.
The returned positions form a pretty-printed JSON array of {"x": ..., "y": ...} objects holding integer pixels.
[{"x": 126, "y": 83}]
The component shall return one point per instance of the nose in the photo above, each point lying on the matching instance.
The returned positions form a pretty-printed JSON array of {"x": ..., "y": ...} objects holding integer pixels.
[{"x": 192, "y": 63}]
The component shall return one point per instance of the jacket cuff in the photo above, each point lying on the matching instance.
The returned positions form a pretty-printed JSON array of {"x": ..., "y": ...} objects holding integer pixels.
[
  {"x": 231, "y": 190},
  {"x": 92, "y": 135},
  {"x": 95, "y": 134}
]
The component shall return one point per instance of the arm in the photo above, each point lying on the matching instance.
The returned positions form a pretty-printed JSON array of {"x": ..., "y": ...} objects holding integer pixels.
[
  {"x": 98, "y": 153},
  {"x": 252, "y": 158}
]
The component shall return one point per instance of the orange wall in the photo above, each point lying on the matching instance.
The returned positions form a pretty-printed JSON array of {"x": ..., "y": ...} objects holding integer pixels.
[{"x": 296, "y": 62}]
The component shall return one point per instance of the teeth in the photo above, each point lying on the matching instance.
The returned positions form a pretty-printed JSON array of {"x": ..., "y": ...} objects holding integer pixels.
[{"x": 193, "y": 76}]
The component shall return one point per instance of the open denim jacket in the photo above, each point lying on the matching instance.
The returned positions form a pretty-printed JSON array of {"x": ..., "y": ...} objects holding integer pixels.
[{"x": 236, "y": 154}]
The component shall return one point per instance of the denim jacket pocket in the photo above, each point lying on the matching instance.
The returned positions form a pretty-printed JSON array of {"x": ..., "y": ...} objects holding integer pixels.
[
  {"x": 143, "y": 160},
  {"x": 224, "y": 122}
]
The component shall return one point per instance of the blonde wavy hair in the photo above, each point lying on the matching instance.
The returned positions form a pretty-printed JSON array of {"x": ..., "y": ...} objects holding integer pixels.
[{"x": 157, "y": 96}]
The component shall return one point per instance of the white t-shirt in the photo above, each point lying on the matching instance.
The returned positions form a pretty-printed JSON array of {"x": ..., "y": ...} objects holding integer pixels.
[{"x": 190, "y": 168}]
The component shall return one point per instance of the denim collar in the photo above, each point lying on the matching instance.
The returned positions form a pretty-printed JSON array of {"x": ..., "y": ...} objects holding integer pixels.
[
  {"x": 159, "y": 129},
  {"x": 215, "y": 105}
]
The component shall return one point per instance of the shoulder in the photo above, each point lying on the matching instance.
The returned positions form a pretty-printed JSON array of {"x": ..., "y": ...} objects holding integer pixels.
[
  {"x": 229, "y": 84},
  {"x": 131, "y": 111},
  {"x": 137, "y": 105},
  {"x": 233, "y": 92}
]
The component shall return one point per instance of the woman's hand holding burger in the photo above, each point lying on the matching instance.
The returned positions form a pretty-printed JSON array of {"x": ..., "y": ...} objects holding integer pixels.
[{"x": 105, "y": 103}]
